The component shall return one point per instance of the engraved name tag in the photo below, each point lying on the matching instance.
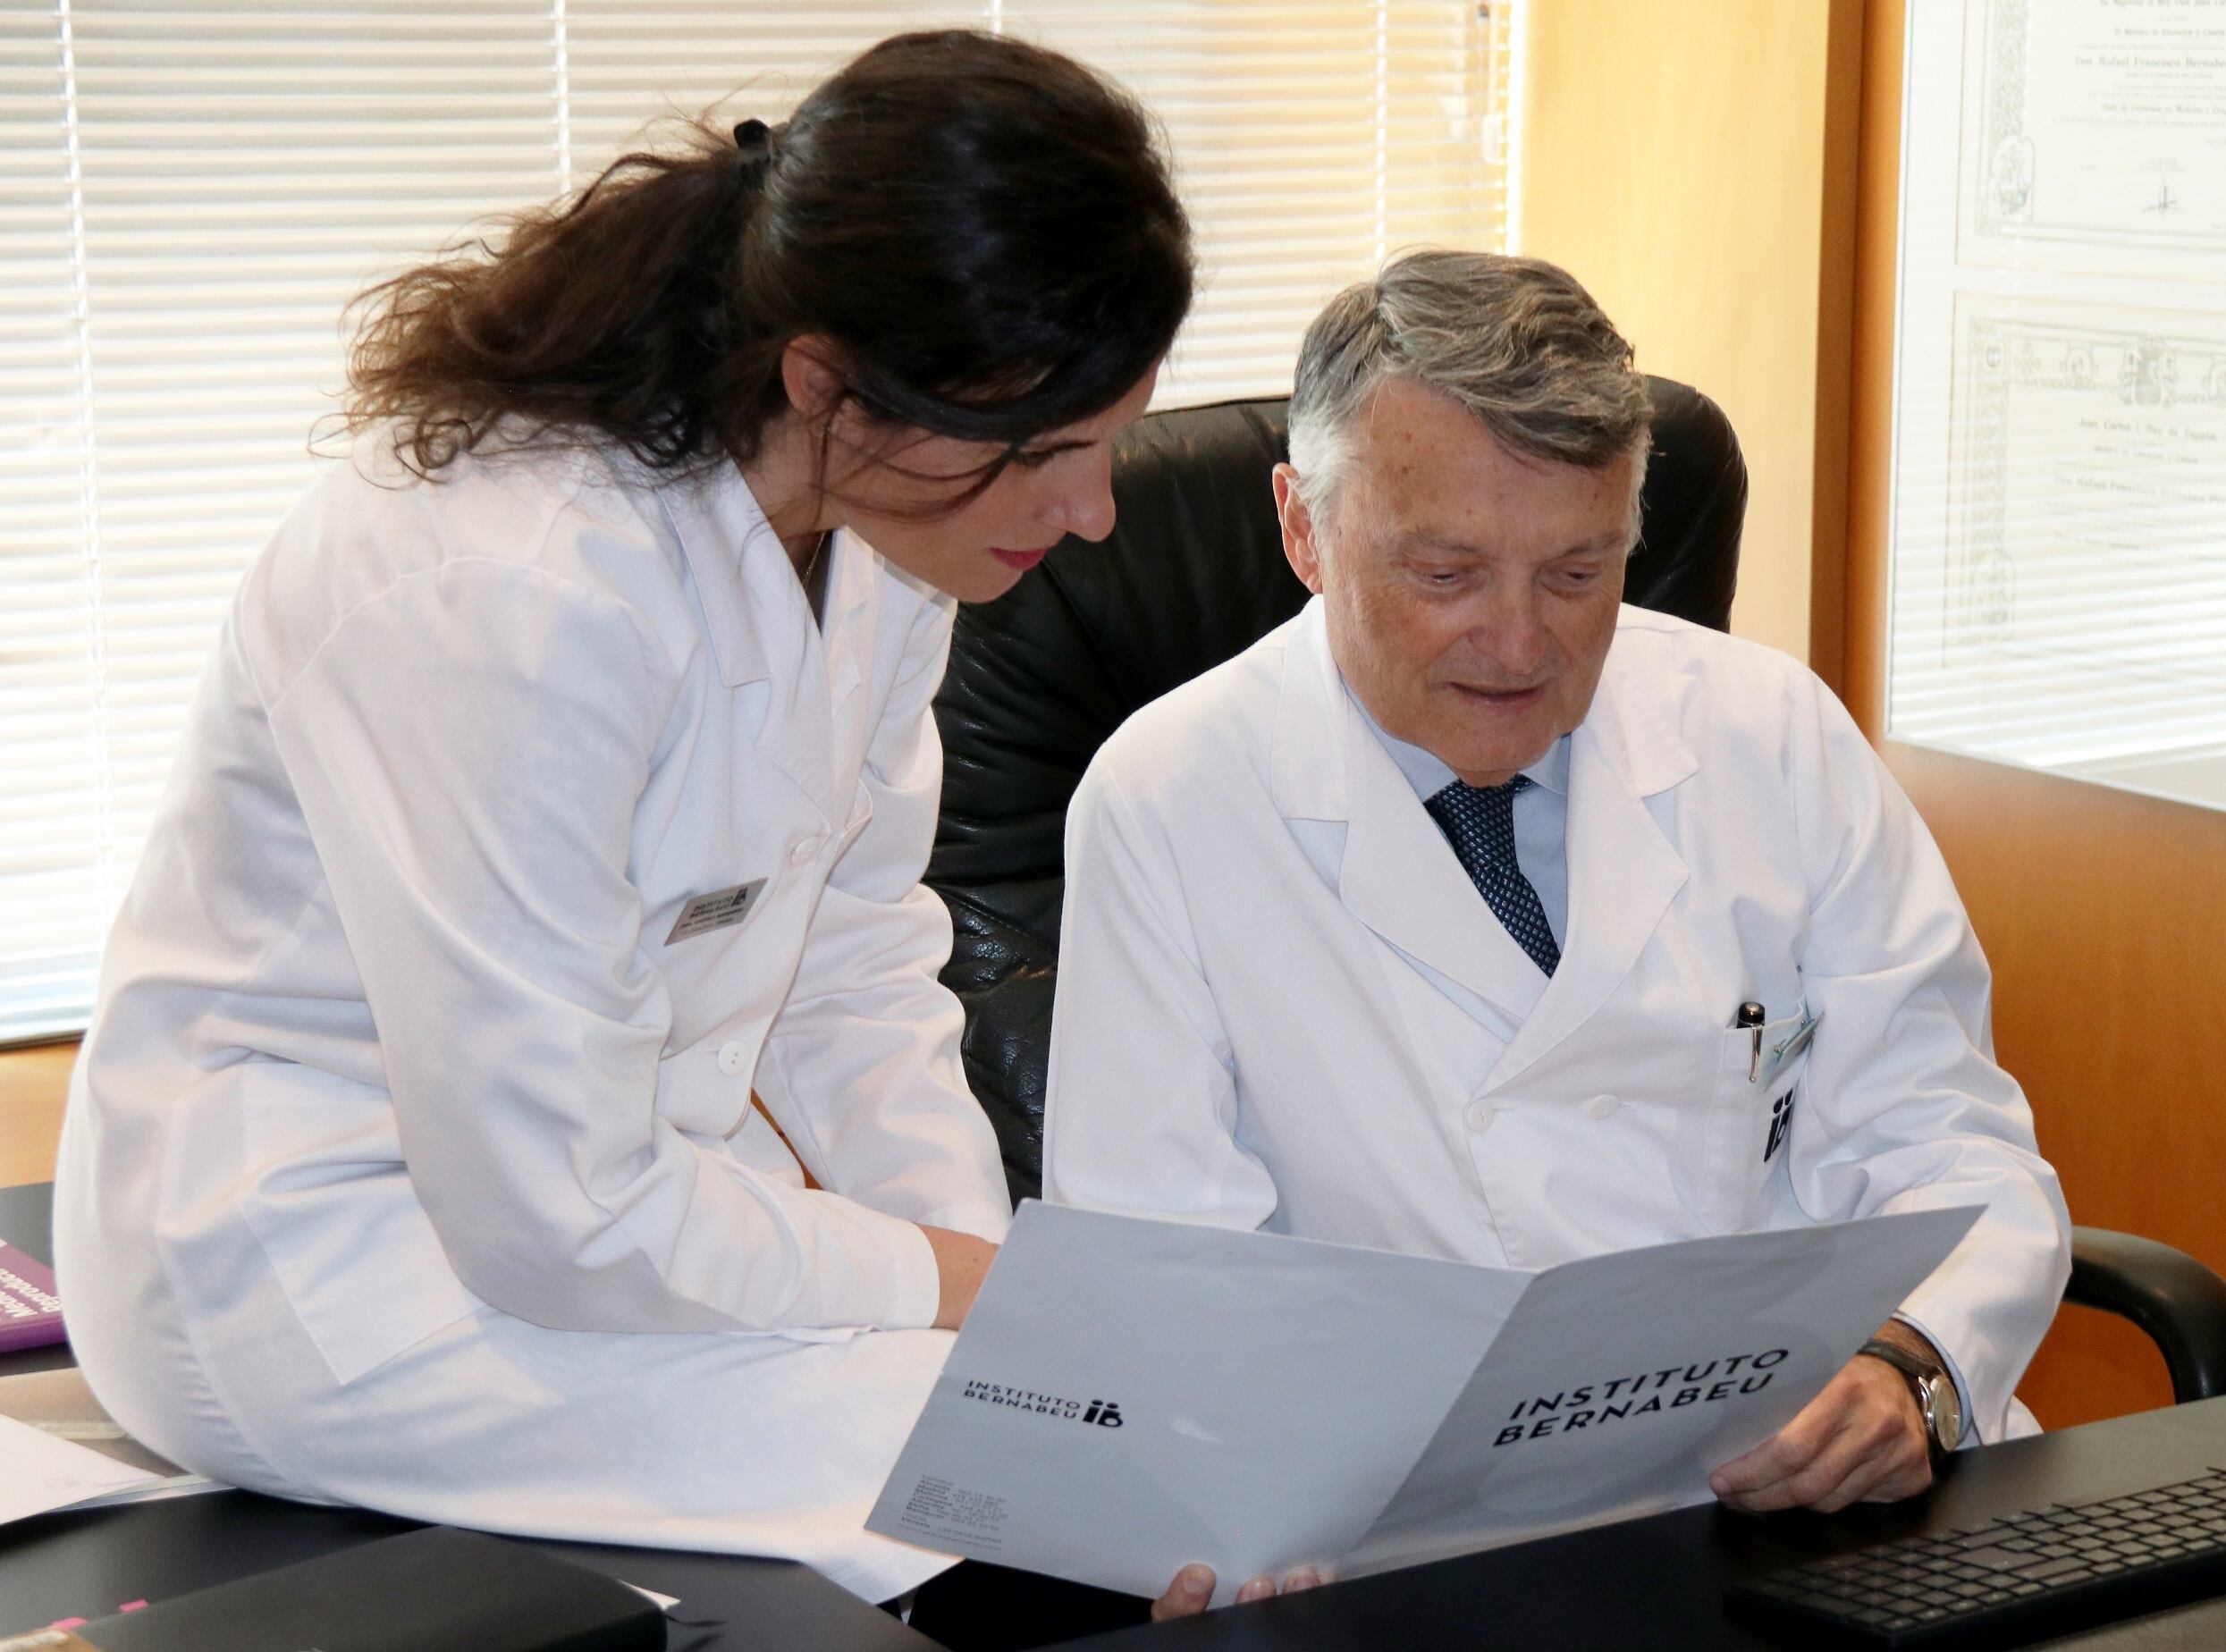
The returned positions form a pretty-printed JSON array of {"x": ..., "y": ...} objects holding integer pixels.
[{"x": 716, "y": 910}]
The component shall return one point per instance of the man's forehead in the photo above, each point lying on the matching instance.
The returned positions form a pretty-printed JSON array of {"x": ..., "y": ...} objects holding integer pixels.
[{"x": 1410, "y": 435}]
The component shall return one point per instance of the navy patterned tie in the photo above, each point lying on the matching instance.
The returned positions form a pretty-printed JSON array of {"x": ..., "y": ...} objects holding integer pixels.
[{"x": 1479, "y": 822}]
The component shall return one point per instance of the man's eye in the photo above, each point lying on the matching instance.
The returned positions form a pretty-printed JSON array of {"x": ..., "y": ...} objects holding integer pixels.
[{"x": 1032, "y": 461}]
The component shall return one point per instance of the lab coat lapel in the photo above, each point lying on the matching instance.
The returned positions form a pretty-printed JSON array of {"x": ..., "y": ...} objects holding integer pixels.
[
  {"x": 1398, "y": 874},
  {"x": 849, "y": 634},
  {"x": 760, "y": 623},
  {"x": 1624, "y": 872}
]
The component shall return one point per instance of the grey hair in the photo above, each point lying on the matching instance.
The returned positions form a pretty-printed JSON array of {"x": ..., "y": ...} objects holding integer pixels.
[{"x": 1517, "y": 341}]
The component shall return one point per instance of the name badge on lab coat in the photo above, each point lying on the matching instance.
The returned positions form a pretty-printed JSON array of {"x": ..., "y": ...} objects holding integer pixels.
[{"x": 715, "y": 911}]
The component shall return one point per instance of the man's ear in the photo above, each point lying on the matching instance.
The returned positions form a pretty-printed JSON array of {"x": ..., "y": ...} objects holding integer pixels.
[
  {"x": 1299, "y": 545},
  {"x": 814, "y": 383}
]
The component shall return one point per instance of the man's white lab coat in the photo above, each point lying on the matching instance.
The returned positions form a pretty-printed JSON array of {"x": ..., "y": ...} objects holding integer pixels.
[
  {"x": 1283, "y": 1004},
  {"x": 410, "y": 1160}
]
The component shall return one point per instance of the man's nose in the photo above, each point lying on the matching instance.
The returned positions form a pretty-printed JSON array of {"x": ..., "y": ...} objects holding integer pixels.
[{"x": 1511, "y": 635}]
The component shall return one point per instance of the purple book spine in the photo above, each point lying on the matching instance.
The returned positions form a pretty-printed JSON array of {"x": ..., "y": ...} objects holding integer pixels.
[{"x": 31, "y": 1313}]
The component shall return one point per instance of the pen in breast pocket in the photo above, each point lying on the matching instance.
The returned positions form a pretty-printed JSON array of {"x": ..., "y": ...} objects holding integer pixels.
[{"x": 1752, "y": 1014}]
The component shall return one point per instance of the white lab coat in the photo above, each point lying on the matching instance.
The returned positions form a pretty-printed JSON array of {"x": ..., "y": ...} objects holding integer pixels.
[
  {"x": 409, "y": 1161},
  {"x": 1282, "y": 1003}
]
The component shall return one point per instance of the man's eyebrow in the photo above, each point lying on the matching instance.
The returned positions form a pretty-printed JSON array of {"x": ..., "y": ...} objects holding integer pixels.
[
  {"x": 1422, "y": 539},
  {"x": 1612, "y": 540}
]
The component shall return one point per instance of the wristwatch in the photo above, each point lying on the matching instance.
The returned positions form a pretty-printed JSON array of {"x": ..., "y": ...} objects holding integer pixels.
[{"x": 1934, "y": 1392}]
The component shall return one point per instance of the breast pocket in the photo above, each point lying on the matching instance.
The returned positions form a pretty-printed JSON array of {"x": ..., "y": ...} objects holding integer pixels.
[{"x": 1751, "y": 1109}]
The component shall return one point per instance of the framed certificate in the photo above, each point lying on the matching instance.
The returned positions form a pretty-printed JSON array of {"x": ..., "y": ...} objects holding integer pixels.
[
  {"x": 2058, "y": 551},
  {"x": 2093, "y": 133}
]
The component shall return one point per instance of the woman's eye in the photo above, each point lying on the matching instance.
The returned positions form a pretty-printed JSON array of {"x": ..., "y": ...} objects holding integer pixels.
[{"x": 1032, "y": 461}]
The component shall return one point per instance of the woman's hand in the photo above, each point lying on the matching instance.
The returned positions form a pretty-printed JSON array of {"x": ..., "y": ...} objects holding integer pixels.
[
  {"x": 1193, "y": 1589},
  {"x": 961, "y": 1260}
]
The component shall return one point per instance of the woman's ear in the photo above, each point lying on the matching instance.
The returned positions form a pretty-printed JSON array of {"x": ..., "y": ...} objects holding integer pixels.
[{"x": 814, "y": 384}]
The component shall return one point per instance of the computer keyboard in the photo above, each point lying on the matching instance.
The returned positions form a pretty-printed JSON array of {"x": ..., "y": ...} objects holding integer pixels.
[{"x": 2024, "y": 1577}]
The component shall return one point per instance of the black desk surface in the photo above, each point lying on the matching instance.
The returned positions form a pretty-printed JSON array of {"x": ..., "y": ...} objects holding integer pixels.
[
  {"x": 1658, "y": 1582},
  {"x": 1647, "y": 1583}
]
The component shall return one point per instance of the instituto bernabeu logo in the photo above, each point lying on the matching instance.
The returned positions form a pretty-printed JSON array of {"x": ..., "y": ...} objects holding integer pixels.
[
  {"x": 1673, "y": 1387},
  {"x": 1102, "y": 1414}
]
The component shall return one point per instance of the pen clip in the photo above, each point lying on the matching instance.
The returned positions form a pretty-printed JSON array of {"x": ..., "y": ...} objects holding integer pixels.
[
  {"x": 1795, "y": 1042},
  {"x": 1752, "y": 1014}
]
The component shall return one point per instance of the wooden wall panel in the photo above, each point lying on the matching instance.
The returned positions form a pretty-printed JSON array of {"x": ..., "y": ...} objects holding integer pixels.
[
  {"x": 33, "y": 1084},
  {"x": 1676, "y": 158},
  {"x": 2104, "y": 913}
]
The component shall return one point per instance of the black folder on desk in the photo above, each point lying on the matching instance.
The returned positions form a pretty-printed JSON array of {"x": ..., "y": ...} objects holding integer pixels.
[{"x": 435, "y": 1590}]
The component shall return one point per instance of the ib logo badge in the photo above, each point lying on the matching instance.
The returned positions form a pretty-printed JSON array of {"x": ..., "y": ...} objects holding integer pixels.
[{"x": 1781, "y": 1120}]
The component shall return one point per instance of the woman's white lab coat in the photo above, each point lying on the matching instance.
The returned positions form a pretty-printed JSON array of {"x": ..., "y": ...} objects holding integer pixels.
[{"x": 412, "y": 1161}]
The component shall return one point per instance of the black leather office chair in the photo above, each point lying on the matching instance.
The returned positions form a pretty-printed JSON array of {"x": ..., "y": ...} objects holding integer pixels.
[{"x": 1193, "y": 573}]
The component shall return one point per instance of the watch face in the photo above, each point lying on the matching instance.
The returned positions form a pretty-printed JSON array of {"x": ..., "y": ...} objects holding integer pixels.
[{"x": 1943, "y": 1411}]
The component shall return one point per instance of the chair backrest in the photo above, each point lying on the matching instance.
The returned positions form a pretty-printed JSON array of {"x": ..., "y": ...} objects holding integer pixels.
[{"x": 1192, "y": 573}]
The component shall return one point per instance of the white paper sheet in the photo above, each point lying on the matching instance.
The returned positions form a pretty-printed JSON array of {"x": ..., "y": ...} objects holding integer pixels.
[
  {"x": 1620, "y": 1382},
  {"x": 58, "y": 1403},
  {"x": 39, "y": 1471},
  {"x": 1131, "y": 1395}
]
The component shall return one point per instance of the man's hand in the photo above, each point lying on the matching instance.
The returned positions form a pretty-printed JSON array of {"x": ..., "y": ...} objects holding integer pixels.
[
  {"x": 1193, "y": 1589},
  {"x": 961, "y": 1260},
  {"x": 1861, "y": 1440}
]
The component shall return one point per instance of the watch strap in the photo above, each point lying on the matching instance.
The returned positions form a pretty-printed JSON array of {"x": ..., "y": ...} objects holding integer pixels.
[
  {"x": 1921, "y": 1374},
  {"x": 1903, "y": 1360}
]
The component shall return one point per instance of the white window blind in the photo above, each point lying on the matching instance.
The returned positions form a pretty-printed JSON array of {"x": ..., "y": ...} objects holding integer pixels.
[{"x": 190, "y": 192}]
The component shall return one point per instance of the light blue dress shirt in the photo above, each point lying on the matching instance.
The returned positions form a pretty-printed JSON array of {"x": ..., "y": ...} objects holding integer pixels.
[{"x": 1541, "y": 814}]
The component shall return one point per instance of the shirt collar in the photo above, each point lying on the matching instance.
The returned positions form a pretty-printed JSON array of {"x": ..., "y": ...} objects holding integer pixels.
[{"x": 1428, "y": 774}]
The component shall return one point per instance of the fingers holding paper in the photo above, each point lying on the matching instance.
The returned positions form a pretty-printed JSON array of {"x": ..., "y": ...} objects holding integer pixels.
[
  {"x": 1192, "y": 1590},
  {"x": 1860, "y": 1440}
]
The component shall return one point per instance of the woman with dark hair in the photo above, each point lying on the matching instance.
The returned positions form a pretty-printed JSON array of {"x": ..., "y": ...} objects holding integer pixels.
[{"x": 560, "y": 785}]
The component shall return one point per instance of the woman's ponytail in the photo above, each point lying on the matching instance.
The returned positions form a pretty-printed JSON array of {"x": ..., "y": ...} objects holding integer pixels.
[{"x": 613, "y": 313}]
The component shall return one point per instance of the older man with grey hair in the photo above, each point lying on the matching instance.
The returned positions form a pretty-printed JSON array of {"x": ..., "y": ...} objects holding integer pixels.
[{"x": 1473, "y": 913}]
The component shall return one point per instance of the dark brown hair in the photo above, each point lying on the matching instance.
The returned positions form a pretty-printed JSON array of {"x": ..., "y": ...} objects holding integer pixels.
[{"x": 985, "y": 231}]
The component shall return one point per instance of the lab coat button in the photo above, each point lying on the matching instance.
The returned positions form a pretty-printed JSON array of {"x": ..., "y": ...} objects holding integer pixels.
[
  {"x": 804, "y": 849},
  {"x": 731, "y": 1060},
  {"x": 1481, "y": 1115},
  {"x": 1600, "y": 1106}
]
